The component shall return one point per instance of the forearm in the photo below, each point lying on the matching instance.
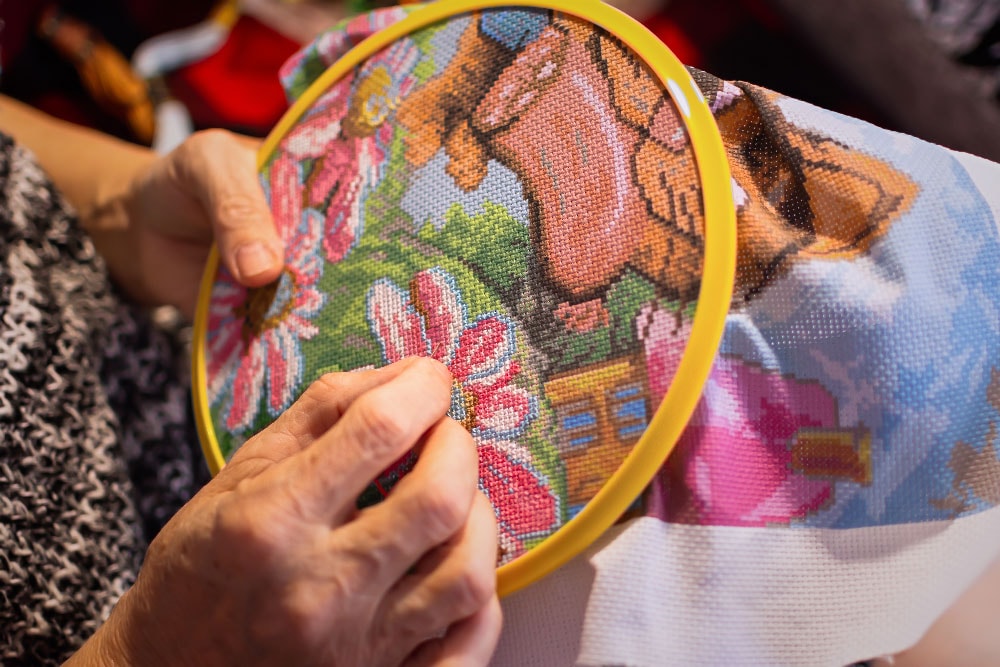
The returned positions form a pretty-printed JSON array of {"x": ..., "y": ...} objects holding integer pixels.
[
  {"x": 93, "y": 170},
  {"x": 121, "y": 641},
  {"x": 101, "y": 649}
]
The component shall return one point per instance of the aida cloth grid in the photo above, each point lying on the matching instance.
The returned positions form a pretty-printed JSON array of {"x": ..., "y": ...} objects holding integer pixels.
[
  {"x": 465, "y": 194},
  {"x": 838, "y": 485}
]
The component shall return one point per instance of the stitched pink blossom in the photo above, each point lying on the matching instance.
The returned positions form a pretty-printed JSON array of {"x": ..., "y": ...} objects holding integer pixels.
[
  {"x": 342, "y": 168},
  {"x": 346, "y": 141},
  {"x": 430, "y": 319},
  {"x": 254, "y": 336},
  {"x": 733, "y": 463},
  {"x": 524, "y": 502}
]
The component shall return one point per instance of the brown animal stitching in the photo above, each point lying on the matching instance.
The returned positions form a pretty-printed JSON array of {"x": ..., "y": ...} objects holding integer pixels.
[
  {"x": 437, "y": 114},
  {"x": 663, "y": 167},
  {"x": 807, "y": 195},
  {"x": 560, "y": 114},
  {"x": 977, "y": 476},
  {"x": 540, "y": 113},
  {"x": 578, "y": 151}
]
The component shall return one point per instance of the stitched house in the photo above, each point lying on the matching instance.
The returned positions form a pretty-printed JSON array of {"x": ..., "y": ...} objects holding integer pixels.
[{"x": 601, "y": 411}]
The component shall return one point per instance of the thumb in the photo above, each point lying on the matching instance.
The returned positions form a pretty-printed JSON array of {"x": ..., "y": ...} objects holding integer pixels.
[{"x": 221, "y": 171}]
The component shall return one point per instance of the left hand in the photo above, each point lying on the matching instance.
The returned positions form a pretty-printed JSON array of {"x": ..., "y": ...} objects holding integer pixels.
[{"x": 176, "y": 205}]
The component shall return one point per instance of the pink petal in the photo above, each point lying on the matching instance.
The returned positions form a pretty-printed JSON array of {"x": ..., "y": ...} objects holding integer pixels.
[
  {"x": 312, "y": 137},
  {"x": 225, "y": 344},
  {"x": 343, "y": 224},
  {"x": 485, "y": 386},
  {"x": 503, "y": 410},
  {"x": 369, "y": 160},
  {"x": 335, "y": 174},
  {"x": 732, "y": 465},
  {"x": 731, "y": 473},
  {"x": 664, "y": 344},
  {"x": 383, "y": 137},
  {"x": 284, "y": 367},
  {"x": 222, "y": 319},
  {"x": 301, "y": 249},
  {"x": 798, "y": 496},
  {"x": 304, "y": 329},
  {"x": 398, "y": 329},
  {"x": 308, "y": 302},
  {"x": 226, "y": 294},
  {"x": 484, "y": 349},
  {"x": 335, "y": 102},
  {"x": 437, "y": 298},
  {"x": 510, "y": 546},
  {"x": 286, "y": 196},
  {"x": 339, "y": 243},
  {"x": 524, "y": 503},
  {"x": 247, "y": 388},
  {"x": 339, "y": 174}
]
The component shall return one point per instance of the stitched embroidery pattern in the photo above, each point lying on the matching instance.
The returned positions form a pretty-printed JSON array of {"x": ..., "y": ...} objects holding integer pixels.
[
  {"x": 507, "y": 118},
  {"x": 506, "y": 192}
]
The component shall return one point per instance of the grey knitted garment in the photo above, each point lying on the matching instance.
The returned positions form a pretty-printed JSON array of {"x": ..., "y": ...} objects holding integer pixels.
[{"x": 97, "y": 448}]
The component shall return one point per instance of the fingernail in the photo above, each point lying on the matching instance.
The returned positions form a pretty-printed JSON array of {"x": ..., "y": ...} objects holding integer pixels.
[
  {"x": 442, "y": 371},
  {"x": 253, "y": 259}
]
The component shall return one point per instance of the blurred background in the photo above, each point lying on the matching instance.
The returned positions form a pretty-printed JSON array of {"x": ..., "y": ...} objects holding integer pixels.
[{"x": 151, "y": 71}]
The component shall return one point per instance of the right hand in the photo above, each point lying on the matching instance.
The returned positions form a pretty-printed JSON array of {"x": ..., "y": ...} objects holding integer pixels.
[{"x": 271, "y": 563}]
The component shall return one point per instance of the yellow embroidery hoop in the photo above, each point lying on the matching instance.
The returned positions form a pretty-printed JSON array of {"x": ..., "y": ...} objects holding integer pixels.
[{"x": 719, "y": 263}]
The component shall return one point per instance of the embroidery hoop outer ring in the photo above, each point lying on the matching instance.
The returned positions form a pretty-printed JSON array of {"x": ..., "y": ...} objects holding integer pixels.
[{"x": 673, "y": 413}]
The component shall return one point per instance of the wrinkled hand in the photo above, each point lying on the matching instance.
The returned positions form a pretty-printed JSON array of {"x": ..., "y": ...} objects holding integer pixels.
[
  {"x": 206, "y": 189},
  {"x": 272, "y": 563}
]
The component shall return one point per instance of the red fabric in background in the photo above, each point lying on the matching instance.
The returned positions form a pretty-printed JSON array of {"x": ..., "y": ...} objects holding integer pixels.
[
  {"x": 671, "y": 34},
  {"x": 237, "y": 87}
]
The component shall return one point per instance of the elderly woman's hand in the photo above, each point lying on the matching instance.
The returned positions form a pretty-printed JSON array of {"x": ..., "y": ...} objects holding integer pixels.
[
  {"x": 272, "y": 562},
  {"x": 154, "y": 218},
  {"x": 175, "y": 206}
]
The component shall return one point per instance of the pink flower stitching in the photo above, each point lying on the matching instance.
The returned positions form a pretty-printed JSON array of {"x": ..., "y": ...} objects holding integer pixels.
[
  {"x": 254, "y": 335},
  {"x": 431, "y": 320},
  {"x": 524, "y": 502},
  {"x": 733, "y": 464},
  {"x": 346, "y": 165},
  {"x": 342, "y": 169}
]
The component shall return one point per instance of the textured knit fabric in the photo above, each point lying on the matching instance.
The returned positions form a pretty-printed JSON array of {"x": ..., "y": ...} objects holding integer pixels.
[
  {"x": 96, "y": 441},
  {"x": 838, "y": 485}
]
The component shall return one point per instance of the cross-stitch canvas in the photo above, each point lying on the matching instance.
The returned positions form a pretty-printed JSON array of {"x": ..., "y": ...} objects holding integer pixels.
[
  {"x": 837, "y": 487},
  {"x": 466, "y": 194}
]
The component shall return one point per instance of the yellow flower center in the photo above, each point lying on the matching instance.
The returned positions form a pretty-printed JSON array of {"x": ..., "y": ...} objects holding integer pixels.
[
  {"x": 469, "y": 403},
  {"x": 370, "y": 105},
  {"x": 268, "y": 306}
]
